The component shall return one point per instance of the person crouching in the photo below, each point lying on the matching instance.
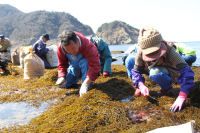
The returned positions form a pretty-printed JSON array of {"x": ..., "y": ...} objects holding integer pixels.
[
  {"x": 105, "y": 55},
  {"x": 77, "y": 57},
  {"x": 164, "y": 65}
]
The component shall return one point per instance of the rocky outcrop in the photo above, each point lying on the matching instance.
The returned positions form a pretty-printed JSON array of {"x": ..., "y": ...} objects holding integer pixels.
[{"x": 118, "y": 32}]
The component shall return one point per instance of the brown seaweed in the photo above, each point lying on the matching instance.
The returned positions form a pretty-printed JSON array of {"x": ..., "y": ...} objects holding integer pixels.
[{"x": 101, "y": 109}]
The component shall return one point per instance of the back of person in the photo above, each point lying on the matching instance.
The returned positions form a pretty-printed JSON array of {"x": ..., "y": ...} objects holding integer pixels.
[
  {"x": 101, "y": 45},
  {"x": 186, "y": 52},
  {"x": 105, "y": 54},
  {"x": 129, "y": 58},
  {"x": 184, "y": 49},
  {"x": 5, "y": 55},
  {"x": 5, "y": 48},
  {"x": 40, "y": 49}
]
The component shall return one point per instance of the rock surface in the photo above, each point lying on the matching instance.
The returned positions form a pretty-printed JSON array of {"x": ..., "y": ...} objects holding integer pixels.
[{"x": 118, "y": 32}]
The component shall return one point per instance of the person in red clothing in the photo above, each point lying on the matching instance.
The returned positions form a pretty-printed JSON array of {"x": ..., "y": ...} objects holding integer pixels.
[{"x": 77, "y": 57}]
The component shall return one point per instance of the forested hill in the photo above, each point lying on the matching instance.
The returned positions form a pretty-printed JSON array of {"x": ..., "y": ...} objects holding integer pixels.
[{"x": 25, "y": 28}]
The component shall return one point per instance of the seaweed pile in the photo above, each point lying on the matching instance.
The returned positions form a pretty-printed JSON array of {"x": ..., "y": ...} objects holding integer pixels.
[{"x": 101, "y": 109}]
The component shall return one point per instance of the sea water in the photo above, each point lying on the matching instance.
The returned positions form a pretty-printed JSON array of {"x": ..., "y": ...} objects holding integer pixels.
[
  {"x": 196, "y": 47},
  {"x": 124, "y": 47},
  {"x": 20, "y": 113}
]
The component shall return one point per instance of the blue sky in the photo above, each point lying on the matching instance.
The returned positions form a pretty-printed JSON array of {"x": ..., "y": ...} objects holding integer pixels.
[{"x": 177, "y": 20}]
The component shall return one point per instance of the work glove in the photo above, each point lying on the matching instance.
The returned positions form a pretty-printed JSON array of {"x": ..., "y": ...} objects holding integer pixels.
[
  {"x": 179, "y": 102},
  {"x": 61, "y": 82},
  {"x": 105, "y": 74},
  {"x": 83, "y": 89},
  {"x": 144, "y": 90}
]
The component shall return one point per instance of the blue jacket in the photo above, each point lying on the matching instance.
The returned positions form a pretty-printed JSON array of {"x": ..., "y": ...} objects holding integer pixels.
[
  {"x": 40, "y": 49},
  {"x": 104, "y": 51}
]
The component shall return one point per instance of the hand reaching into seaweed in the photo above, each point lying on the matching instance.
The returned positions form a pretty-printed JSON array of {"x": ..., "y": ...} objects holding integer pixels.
[
  {"x": 179, "y": 102},
  {"x": 142, "y": 89}
]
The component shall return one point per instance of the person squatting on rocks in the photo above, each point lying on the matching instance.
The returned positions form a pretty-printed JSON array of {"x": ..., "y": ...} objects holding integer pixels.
[
  {"x": 129, "y": 58},
  {"x": 105, "y": 55},
  {"x": 77, "y": 57},
  {"x": 164, "y": 65},
  {"x": 186, "y": 52},
  {"x": 40, "y": 49},
  {"x": 5, "y": 55}
]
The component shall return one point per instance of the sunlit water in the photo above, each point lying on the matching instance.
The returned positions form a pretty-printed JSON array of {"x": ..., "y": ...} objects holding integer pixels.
[
  {"x": 128, "y": 99},
  {"x": 19, "y": 113},
  {"x": 194, "y": 45},
  {"x": 118, "y": 56}
]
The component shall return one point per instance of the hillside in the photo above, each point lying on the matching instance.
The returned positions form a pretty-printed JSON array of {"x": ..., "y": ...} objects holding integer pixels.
[
  {"x": 26, "y": 28},
  {"x": 118, "y": 32},
  {"x": 7, "y": 10}
]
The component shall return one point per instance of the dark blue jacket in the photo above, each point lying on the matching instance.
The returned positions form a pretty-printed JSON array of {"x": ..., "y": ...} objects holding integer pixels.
[{"x": 40, "y": 49}]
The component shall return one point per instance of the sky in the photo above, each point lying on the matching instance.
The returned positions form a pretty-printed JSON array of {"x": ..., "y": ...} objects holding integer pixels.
[{"x": 176, "y": 20}]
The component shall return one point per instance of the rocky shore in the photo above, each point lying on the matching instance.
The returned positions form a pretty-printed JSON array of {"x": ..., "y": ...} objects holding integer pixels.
[{"x": 108, "y": 107}]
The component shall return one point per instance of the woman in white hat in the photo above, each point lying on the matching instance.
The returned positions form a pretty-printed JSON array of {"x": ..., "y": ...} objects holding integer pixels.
[{"x": 164, "y": 66}]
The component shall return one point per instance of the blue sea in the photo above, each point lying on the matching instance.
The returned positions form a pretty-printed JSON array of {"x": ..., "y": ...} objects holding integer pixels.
[{"x": 194, "y": 45}]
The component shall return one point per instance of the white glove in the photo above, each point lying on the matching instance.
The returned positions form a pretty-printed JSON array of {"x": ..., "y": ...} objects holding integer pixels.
[
  {"x": 60, "y": 81},
  {"x": 83, "y": 89}
]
